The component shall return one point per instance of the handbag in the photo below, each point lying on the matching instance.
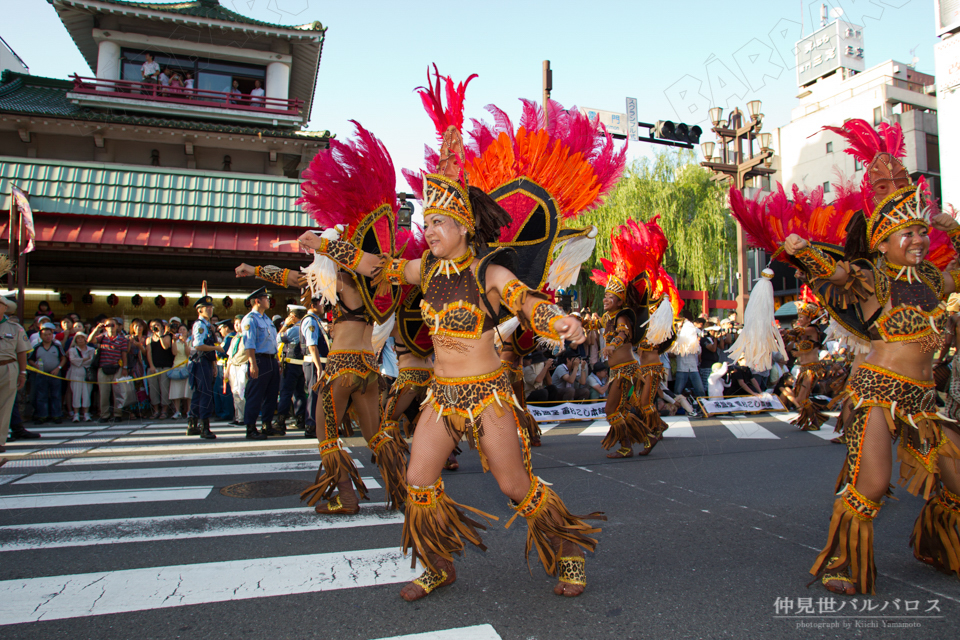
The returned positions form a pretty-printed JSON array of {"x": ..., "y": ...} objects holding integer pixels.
[{"x": 177, "y": 373}]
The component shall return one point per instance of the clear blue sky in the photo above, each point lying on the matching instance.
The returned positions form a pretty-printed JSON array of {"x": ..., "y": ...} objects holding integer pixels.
[{"x": 378, "y": 51}]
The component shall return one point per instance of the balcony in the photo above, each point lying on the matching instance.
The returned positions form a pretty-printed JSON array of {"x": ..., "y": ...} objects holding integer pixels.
[{"x": 180, "y": 102}]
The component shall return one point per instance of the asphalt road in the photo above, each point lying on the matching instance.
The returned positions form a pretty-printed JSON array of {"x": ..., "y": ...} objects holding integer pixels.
[{"x": 123, "y": 533}]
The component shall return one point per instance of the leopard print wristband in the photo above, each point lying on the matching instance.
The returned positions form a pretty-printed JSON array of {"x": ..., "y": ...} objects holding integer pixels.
[
  {"x": 272, "y": 274},
  {"x": 513, "y": 294},
  {"x": 545, "y": 315},
  {"x": 343, "y": 253},
  {"x": 617, "y": 341},
  {"x": 816, "y": 263},
  {"x": 393, "y": 270},
  {"x": 954, "y": 235}
]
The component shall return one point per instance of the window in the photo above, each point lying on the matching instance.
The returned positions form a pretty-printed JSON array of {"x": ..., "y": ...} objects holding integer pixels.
[
  {"x": 829, "y": 147},
  {"x": 210, "y": 75},
  {"x": 933, "y": 153},
  {"x": 826, "y": 187},
  {"x": 857, "y": 165},
  {"x": 877, "y": 115}
]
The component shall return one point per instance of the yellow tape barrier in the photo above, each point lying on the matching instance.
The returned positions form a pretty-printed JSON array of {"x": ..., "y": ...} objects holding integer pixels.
[{"x": 124, "y": 381}]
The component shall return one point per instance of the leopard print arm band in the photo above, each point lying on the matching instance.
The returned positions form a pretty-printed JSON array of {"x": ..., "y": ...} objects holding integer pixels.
[
  {"x": 816, "y": 263},
  {"x": 618, "y": 340},
  {"x": 393, "y": 270},
  {"x": 343, "y": 253},
  {"x": 545, "y": 315},
  {"x": 272, "y": 274},
  {"x": 954, "y": 235}
]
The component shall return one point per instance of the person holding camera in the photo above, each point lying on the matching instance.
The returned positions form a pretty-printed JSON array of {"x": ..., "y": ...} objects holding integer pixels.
[
  {"x": 570, "y": 377},
  {"x": 537, "y": 383},
  {"x": 113, "y": 347}
]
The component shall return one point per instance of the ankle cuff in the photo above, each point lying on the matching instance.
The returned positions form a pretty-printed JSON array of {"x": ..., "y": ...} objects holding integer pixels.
[{"x": 859, "y": 505}]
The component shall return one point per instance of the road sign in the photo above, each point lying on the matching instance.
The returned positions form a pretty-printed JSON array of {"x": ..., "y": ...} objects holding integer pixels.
[
  {"x": 616, "y": 123},
  {"x": 632, "y": 118}
]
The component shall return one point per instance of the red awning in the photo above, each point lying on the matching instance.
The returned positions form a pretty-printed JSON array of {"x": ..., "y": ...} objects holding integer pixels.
[{"x": 55, "y": 231}]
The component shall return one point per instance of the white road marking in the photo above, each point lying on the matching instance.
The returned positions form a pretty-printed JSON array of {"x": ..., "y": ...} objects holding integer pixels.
[
  {"x": 52, "y": 535},
  {"x": 107, "y": 475},
  {"x": 477, "y": 632},
  {"x": 232, "y": 455},
  {"x": 85, "y": 498},
  {"x": 826, "y": 431},
  {"x": 546, "y": 426},
  {"x": 748, "y": 430},
  {"x": 208, "y": 445},
  {"x": 597, "y": 428},
  {"x": 49, "y": 435},
  {"x": 678, "y": 427},
  {"x": 101, "y": 593}
]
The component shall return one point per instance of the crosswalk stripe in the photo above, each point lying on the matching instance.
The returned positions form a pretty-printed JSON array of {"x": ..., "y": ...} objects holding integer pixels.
[
  {"x": 51, "y": 535},
  {"x": 476, "y": 632},
  {"x": 103, "y": 475},
  {"x": 277, "y": 453},
  {"x": 219, "y": 443},
  {"x": 748, "y": 430},
  {"x": 87, "y": 498},
  {"x": 546, "y": 426},
  {"x": 102, "y": 593},
  {"x": 596, "y": 428},
  {"x": 826, "y": 431},
  {"x": 678, "y": 427}
]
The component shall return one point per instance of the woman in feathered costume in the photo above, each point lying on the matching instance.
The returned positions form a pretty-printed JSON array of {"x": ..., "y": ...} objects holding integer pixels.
[
  {"x": 885, "y": 289},
  {"x": 465, "y": 283},
  {"x": 640, "y": 303},
  {"x": 804, "y": 342},
  {"x": 350, "y": 190}
]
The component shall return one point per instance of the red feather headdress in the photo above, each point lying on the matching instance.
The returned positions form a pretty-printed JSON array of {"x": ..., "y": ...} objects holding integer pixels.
[{"x": 353, "y": 184}]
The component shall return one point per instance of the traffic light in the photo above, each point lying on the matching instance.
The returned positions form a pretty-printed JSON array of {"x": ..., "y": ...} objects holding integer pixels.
[
  {"x": 667, "y": 130},
  {"x": 404, "y": 214}
]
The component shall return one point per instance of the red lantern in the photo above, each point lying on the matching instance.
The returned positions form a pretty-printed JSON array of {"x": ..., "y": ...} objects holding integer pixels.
[
  {"x": 273, "y": 302},
  {"x": 113, "y": 300},
  {"x": 160, "y": 301},
  {"x": 184, "y": 300},
  {"x": 247, "y": 304},
  {"x": 87, "y": 299},
  {"x": 227, "y": 302},
  {"x": 66, "y": 298},
  {"x": 136, "y": 300}
]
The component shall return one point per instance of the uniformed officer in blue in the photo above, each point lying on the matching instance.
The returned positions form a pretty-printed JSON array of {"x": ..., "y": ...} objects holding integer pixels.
[
  {"x": 263, "y": 373},
  {"x": 293, "y": 397},
  {"x": 205, "y": 345},
  {"x": 314, "y": 345}
]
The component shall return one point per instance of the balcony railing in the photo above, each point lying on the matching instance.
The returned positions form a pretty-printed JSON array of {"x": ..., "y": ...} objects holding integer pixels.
[{"x": 156, "y": 92}]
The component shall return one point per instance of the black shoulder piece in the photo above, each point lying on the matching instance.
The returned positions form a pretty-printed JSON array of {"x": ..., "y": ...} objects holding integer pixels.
[{"x": 506, "y": 258}]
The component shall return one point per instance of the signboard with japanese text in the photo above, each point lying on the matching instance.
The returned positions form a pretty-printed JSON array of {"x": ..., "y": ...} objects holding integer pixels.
[
  {"x": 839, "y": 44},
  {"x": 740, "y": 404},
  {"x": 632, "y": 118},
  {"x": 568, "y": 411}
]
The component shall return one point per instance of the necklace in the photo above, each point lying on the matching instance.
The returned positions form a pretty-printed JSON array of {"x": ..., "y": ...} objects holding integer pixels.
[
  {"x": 908, "y": 273},
  {"x": 457, "y": 264}
]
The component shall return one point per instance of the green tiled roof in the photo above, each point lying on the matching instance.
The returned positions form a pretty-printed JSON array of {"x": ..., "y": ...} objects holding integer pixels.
[
  {"x": 210, "y": 10},
  {"x": 34, "y": 95},
  {"x": 148, "y": 193}
]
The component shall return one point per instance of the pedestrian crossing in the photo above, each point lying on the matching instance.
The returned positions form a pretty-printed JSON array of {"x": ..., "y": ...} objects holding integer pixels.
[
  {"x": 765, "y": 427},
  {"x": 130, "y": 486}
]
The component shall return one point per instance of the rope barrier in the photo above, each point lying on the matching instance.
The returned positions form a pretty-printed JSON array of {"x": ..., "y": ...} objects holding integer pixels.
[{"x": 124, "y": 381}]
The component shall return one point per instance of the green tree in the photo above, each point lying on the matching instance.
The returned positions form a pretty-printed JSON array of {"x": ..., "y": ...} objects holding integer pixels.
[{"x": 693, "y": 215}]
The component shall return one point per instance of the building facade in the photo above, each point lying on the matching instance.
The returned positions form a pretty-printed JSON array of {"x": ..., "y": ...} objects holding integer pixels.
[{"x": 143, "y": 185}]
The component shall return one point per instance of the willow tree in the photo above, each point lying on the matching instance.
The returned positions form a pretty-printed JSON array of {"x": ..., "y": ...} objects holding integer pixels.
[{"x": 693, "y": 214}]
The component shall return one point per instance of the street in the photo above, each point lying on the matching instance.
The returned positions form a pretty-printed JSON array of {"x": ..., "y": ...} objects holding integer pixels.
[{"x": 122, "y": 532}]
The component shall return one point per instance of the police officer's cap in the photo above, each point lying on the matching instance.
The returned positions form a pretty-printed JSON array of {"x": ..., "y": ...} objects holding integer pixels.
[
  {"x": 295, "y": 307},
  {"x": 259, "y": 293},
  {"x": 225, "y": 323},
  {"x": 204, "y": 301}
]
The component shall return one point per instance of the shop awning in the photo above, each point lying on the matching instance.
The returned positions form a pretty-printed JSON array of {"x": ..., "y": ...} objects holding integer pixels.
[{"x": 93, "y": 233}]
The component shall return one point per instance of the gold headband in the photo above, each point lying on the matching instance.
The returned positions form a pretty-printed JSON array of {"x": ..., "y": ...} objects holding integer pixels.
[
  {"x": 902, "y": 208},
  {"x": 447, "y": 197},
  {"x": 616, "y": 286}
]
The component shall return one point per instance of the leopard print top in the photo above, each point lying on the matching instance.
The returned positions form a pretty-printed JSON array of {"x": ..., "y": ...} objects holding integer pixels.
[
  {"x": 452, "y": 304},
  {"x": 916, "y": 314}
]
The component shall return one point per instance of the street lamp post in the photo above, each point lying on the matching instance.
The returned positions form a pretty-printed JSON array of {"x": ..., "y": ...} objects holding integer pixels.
[{"x": 737, "y": 162}]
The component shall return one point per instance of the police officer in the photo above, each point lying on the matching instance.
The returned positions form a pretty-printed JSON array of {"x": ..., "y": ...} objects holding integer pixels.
[
  {"x": 205, "y": 347},
  {"x": 315, "y": 350},
  {"x": 14, "y": 347},
  {"x": 222, "y": 398},
  {"x": 292, "y": 393},
  {"x": 263, "y": 375}
]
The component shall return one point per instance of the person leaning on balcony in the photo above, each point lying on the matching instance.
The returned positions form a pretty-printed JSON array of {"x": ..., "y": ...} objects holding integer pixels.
[
  {"x": 257, "y": 95},
  {"x": 150, "y": 72},
  {"x": 235, "y": 93},
  {"x": 188, "y": 84}
]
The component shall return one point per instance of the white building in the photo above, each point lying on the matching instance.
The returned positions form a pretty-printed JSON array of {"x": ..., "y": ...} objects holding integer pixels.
[
  {"x": 947, "y": 55},
  {"x": 891, "y": 91},
  {"x": 10, "y": 60}
]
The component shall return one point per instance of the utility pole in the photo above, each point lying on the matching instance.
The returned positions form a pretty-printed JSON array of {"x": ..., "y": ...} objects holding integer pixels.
[{"x": 547, "y": 88}]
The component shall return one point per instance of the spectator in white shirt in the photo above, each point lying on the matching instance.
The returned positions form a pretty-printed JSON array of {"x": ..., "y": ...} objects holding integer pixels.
[
  {"x": 599, "y": 381},
  {"x": 257, "y": 95},
  {"x": 149, "y": 71},
  {"x": 570, "y": 377}
]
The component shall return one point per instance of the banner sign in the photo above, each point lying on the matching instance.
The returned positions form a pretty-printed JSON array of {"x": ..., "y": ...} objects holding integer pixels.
[
  {"x": 568, "y": 411},
  {"x": 740, "y": 404},
  {"x": 26, "y": 214}
]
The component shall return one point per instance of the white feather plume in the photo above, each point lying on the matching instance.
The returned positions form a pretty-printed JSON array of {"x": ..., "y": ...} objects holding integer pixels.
[
  {"x": 687, "y": 342},
  {"x": 382, "y": 331},
  {"x": 322, "y": 273},
  {"x": 760, "y": 337},
  {"x": 660, "y": 324},
  {"x": 505, "y": 330},
  {"x": 568, "y": 258},
  {"x": 854, "y": 344}
]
